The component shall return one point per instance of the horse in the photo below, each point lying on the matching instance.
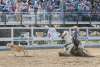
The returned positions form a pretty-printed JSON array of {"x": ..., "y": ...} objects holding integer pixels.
[
  {"x": 16, "y": 48},
  {"x": 71, "y": 47}
]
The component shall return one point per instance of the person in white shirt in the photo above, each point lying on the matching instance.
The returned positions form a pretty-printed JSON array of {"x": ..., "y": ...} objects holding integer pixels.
[{"x": 52, "y": 33}]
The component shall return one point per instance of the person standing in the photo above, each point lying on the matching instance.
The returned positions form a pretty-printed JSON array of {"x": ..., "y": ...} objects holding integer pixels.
[
  {"x": 24, "y": 7},
  {"x": 18, "y": 11},
  {"x": 36, "y": 10}
]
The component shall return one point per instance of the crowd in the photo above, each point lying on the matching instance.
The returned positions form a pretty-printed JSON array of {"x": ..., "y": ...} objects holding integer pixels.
[
  {"x": 18, "y": 6},
  {"x": 81, "y": 8}
]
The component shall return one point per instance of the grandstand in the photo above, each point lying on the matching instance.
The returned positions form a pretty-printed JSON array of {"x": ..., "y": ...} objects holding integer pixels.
[{"x": 32, "y": 12}]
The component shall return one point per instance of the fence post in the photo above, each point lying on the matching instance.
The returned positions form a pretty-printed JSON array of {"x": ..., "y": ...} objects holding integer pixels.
[
  {"x": 87, "y": 32},
  {"x": 21, "y": 21},
  {"x": 32, "y": 36},
  {"x": 12, "y": 35},
  {"x": 28, "y": 40}
]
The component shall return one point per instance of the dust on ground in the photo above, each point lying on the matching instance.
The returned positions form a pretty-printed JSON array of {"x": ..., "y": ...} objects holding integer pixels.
[{"x": 49, "y": 58}]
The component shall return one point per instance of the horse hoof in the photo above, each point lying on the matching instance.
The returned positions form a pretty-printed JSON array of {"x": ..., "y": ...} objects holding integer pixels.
[
  {"x": 63, "y": 54},
  {"x": 15, "y": 55}
]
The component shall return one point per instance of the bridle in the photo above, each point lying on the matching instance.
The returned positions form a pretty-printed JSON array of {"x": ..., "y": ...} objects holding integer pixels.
[{"x": 64, "y": 35}]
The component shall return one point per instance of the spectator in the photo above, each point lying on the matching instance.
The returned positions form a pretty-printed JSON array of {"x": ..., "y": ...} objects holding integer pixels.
[
  {"x": 24, "y": 7},
  {"x": 18, "y": 10},
  {"x": 80, "y": 7},
  {"x": 35, "y": 11},
  {"x": 3, "y": 10},
  {"x": 52, "y": 34},
  {"x": 35, "y": 7}
]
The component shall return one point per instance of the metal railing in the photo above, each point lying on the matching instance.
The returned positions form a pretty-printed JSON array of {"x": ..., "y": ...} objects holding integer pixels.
[{"x": 49, "y": 18}]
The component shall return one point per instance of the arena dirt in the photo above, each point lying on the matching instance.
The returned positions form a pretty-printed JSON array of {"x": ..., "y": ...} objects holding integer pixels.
[{"x": 48, "y": 58}]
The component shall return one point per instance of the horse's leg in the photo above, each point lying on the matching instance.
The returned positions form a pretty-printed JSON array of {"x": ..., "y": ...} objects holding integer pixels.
[
  {"x": 64, "y": 54},
  {"x": 65, "y": 47},
  {"x": 24, "y": 52},
  {"x": 70, "y": 48},
  {"x": 79, "y": 52},
  {"x": 13, "y": 51},
  {"x": 84, "y": 52}
]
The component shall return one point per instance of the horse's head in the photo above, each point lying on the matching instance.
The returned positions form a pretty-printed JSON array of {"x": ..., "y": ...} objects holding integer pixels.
[
  {"x": 67, "y": 37},
  {"x": 65, "y": 33}
]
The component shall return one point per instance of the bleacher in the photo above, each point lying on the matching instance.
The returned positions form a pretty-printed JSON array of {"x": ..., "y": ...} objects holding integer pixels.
[{"x": 49, "y": 12}]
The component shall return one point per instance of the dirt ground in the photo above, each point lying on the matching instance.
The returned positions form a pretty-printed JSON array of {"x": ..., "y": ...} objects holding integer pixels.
[{"x": 49, "y": 58}]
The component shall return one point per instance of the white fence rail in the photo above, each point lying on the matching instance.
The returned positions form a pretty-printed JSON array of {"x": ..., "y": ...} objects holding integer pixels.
[{"x": 88, "y": 34}]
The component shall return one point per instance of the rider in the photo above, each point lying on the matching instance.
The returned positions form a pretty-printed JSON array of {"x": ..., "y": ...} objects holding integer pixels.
[
  {"x": 72, "y": 44},
  {"x": 75, "y": 37}
]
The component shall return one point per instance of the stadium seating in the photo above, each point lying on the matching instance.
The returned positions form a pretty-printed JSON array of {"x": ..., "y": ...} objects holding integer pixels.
[{"x": 50, "y": 11}]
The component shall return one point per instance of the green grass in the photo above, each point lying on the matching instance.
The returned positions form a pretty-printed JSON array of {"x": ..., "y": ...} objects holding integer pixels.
[
  {"x": 56, "y": 42},
  {"x": 92, "y": 41}
]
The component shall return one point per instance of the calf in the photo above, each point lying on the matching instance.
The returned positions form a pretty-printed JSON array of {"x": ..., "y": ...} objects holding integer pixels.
[{"x": 16, "y": 48}]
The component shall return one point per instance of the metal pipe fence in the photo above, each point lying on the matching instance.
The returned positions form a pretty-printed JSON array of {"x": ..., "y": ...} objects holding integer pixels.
[{"x": 49, "y": 18}]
